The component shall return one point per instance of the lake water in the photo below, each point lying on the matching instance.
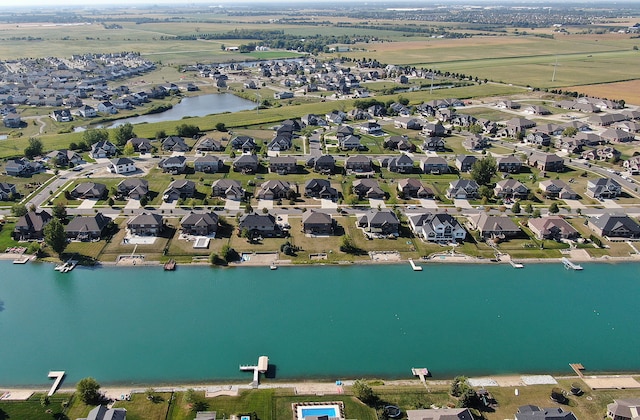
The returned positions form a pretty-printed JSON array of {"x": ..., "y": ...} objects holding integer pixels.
[
  {"x": 144, "y": 325},
  {"x": 194, "y": 106}
]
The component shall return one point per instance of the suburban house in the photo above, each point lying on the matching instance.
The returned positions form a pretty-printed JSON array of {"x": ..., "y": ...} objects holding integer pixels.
[
  {"x": 632, "y": 165},
  {"x": 616, "y": 135},
  {"x": 463, "y": 189},
  {"x": 408, "y": 123},
  {"x": 87, "y": 228},
  {"x": 464, "y": 163},
  {"x": 207, "y": 164},
  {"x": 87, "y": 111},
  {"x": 273, "y": 190},
  {"x": 103, "y": 149},
  {"x": 22, "y": 167},
  {"x": 246, "y": 163},
  {"x": 245, "y": 143},
  {"x": 283, "y": 165},
  {"x": 434, "y": 129},
  {"x": 207, "y": 144},
  {"x": 538, "y": 138},
  {"x": 199, "y": 224},
  {"x": 146, "y": 224},
  {"x": 506, "y": 104},
  {"x": 494, "y": 227},
  {"x": 7, "y": 191},
  {"x": 106, "y": 107},
  {"x": 511, "y": 188},
  {"x": 140, "y": 145},
  {"x": 546, "y": 162},
  {"x": 519, "y": 125},
  {"x": 439, "y": 227},
  {"x": 280, "y": 143},
  {"x": 31, "y": 225},
  {"x": 615, "y": 226},
  {"x": 350, "y": 142},
  {"x": 475, "y": 142},
  {"x": 12, "y": 120},
  {"x": 552, "y": 227},
  {"x": 283, "y": 95},
  {"x": 259, "y": 225},
  {"x": 440, "y": 414},
  {"x": 101, "y": 412},
  {"x": 315, "y": 222},
  {"x": 133, "y": 188},
  {"x": 509, "y": 164},
  {"x": 380, "y": 222},
  {"x": 413, "y": 188},
  {"x": 62, "y": 115},
  {"x": 91, "y": 190},
  {"x": 402, "y": 164},
  {"x": 554, "y": 188},
  {"x": 435, "y": 165},
  {"x": 627, "y": 409},
  {"x": 368, "y": 188},
  {"x": 602, "y": 153},
  {"x": 601, "y": 188},
  {"x": 174, "y": 164},
  {"x": 230, "y": 189},
  {"x": 336, "y": 117},
  {"x": 64, "y": 157},
  {"x": 174, "y": 144},
  {"x": 320, "y": 188},
  {"x": 536, "y": 110},
  {"x": 532, "y": 412},
  {"x": 122, "y": 165},
  {"x": 433, "y": 144},
  {"x": 180, "y": 188},
  {"x": 325, "y": 164},
  {"x": 371, "y": 127},
  {"x": 358, "y": 164},
  {"x": 397, "y": 143}
]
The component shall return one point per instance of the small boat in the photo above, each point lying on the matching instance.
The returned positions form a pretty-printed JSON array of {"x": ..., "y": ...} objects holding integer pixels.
[
  {"x": 170, "y": 265},
  {"x": 273, "y": 266},
  {"x": 66, "y": 266}
]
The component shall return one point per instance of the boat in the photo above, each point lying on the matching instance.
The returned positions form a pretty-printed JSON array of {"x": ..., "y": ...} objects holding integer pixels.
[
  {"x": 570, "y": 265},
  {"x": 66, "y": 266},
  {"x": 170, "y": 265},
  {"x": 273, "y": 266}
]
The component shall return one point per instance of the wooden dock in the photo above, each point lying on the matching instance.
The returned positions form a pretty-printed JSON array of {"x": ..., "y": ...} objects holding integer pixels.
[
  {"x": 58, "y": 375},
  {"x": 577, "y": 368},
  {"x": 421, "y": 373},
  {"x": 170, "y": 265},
  {"x": 261, "y": 367}
]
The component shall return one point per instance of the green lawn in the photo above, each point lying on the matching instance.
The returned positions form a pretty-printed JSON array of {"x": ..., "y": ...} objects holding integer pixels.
[{"x": 32, "y": 409}]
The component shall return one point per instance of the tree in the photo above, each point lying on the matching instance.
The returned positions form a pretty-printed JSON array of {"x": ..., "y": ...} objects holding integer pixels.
[
  {"x": 483, "y": 170},
  {"x": 229, "y": 254},
  {"x": 475, "y": 129},
  {"x": 128, "y": 149},
  {"x": 221, "y": 127},
  {"x": 88, "y": 388},
  {"x": 187, "y": 130},
  {"x": 515, "y": 208},
  {"x": 144, "y": 201},
  {"x": 161, "y": 134},
  {"x": 94, "y": 135},
  {"x": 54, "y": 236},
  {"x": 536, "y": 213},
  {"x": 459, "y": 386},
  {"x": 485, "y": 192},
  {"x": 528, "y": 208},
  {"x": 18, "y": 210},
  {"x": 123, "y": 133},
  {"x": 60, "y": 211},
  {"x": 363, "y": 392},
  {"x": 570, "y": 132},
  {"x": 34, "y": 148},
  {"x": 553, "y": 208}
]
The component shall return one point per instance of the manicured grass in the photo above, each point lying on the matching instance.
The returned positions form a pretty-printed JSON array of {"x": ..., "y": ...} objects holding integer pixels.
[
  {"x": 33, "y": 410},
  {"x": 6, "y": 240},
  {"x": 141, "y": 408}
]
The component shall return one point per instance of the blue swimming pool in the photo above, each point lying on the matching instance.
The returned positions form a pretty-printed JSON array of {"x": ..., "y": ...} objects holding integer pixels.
[{"x": 319, "y": 411}]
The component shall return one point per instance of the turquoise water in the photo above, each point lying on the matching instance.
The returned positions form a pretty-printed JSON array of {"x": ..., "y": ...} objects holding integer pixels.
[
  {"x": 327, "y": 411},
  {"x": 144, "y": 325}
]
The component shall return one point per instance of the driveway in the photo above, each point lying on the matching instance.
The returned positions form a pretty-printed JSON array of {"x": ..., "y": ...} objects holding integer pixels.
[
  {"x": 231, "y": 205},
  {"x": 374, "y": 203},
  {"x": 428, "y": 204},
  {"x": 611, "y": 204},
  {"x": 169, "y": 206},
  {"x": 264, "y": 204},
  {"x": 88, "y": 203},
  {"x": 463, "y": 204},
  {"x": 132, "y": 204},
  {"x": 328, "y": 204},
  {"x": 575, "y": 204}
]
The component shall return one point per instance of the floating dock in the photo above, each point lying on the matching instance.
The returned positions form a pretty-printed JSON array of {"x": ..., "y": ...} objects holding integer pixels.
[
  {"x": 421, "y": 373},
  {"x": 577, "y": 368},
  {"x": 414, "y": 266},
  {"x": 569, "y": 265},
  {"x": 170, "y": 265},
  {"x": 261, "y": 367},
  {"x": 58, "y": 375},
  {"x": 515, "y": 264}
]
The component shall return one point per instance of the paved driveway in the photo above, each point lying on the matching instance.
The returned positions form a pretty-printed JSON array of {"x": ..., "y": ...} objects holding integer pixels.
[
  {"x": 463, "y": 204},
  {"x": 265, "y": 204},
  {"x": 328, "y": 204},
  {"x": 611, "y": 204},
  {"x": 169, "y": 206},
  {"x": 132, "y": 204},
  {"x": 374, "y": 203},
  {"x": 428, "y": 204},
  {"x": 575, "y": 204},
  {"x": 232, "y": 205},
  {"x": 88, "y": 203}
]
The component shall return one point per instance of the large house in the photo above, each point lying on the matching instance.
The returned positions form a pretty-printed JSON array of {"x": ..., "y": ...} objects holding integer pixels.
[
  {"x": 413, "y": 188},
  {"x": 174, "y": 144},
  {"x": 273, "y": 190},
  {"x": 510, "y": 188},
  {"x": 141, "y": 145},
  {"x": 174, "y": 164},
  {"x": 133, "y": 188},
  {"x": 122, "y": 165},
  {"x": 368, "y": 188},
  {"x": 245, "y": 143},
  {"x": 207, "y": 164},
  {"x": 552, "y": 227},
  {"x": 227, "y": 188},
  {"x": 463, "y": 189},
  {"x": 320, "y": 188},
  {"x": 7, "y": 191},
  {"x": 22, "y": 167},
  {"x": 180, "y": 188},
  {"x": 259, "y": 225},
  {"x": 494, "y": 227},
  {"x": 315, "y": 222},
  {"x": 439, "y": 227},
  {"x": 435, "y": 165},
  {"x": 87, "y": 228},
  {"x": 325, "y": 164},
  {"x": 103, "y": 149},
  {"x": 509, "y": 164},
  {"x": 464, "y": 163},
  {"x": 358, "y": 164},
  {"x": 402, "y": 164},
  {"x": 627, "y": 409},
  {"x": 146, "y": 224},
  {"x": 283, "y": 165},
  {"x": 31, "y": 225},
  {"x": 102, "y": 412},
  {"x": 199, "y": 224},
  {"x": 601, "y": 188},
  {"x": 246, "y": 163},
  {"x": 380, "y": 222},
  {"x": 555, "y": 188},
  {"x": 615, "y": 226},
  {"x": 91, "y": 190},
  {"x": 546, "y": 162},
  {"x": 207, "y": 144}
]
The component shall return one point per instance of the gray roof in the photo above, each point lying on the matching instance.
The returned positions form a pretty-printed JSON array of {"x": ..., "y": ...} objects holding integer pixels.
[
  {"x": 440, "y": 414},
  {"x": 608, "y": 222},
  {"x": 34, "y": 220},
  {"x": 316, "y": 217},
  {"x": 94, "y": 223},
  {"x": 122, "y": 161},
  {"x": 623, "y": 407},
  {"x": 531, "y": 412},
  {"x": 487, "y": 223},
  {"x": 146, "y": 219},
  {"x": 200, "y": 219}
]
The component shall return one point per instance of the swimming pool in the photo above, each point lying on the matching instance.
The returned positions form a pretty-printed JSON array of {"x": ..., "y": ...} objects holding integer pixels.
[{"x": 318, "y": 411}]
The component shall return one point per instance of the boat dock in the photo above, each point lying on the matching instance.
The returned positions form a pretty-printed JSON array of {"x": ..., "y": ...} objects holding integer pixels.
[
  {"x": 58, "y": 375},
  {"x": 261, "y": 367},
  {"x": 421, "y": 373},
  {"x": 569, "y": 265},
  {"x": 515, "y": 264},
  {"x": 23, "y": 260},
  {"x": 577, "y": 368},
  {"x": 414, "y": 266},
  {"x": 170, "y": 265}
]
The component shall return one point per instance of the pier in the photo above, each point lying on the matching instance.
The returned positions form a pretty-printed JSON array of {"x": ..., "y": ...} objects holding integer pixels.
[
  {"x": 261, "y": 367},
  {"x": 414, "y": 266},
  {"x": 577, "y": 368},
  {"x": 569, "y": 265},
  {"x": 515, "y": 264},
  {"x": 421, "y": 373},
  {"x": 58, "y": 375}
]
